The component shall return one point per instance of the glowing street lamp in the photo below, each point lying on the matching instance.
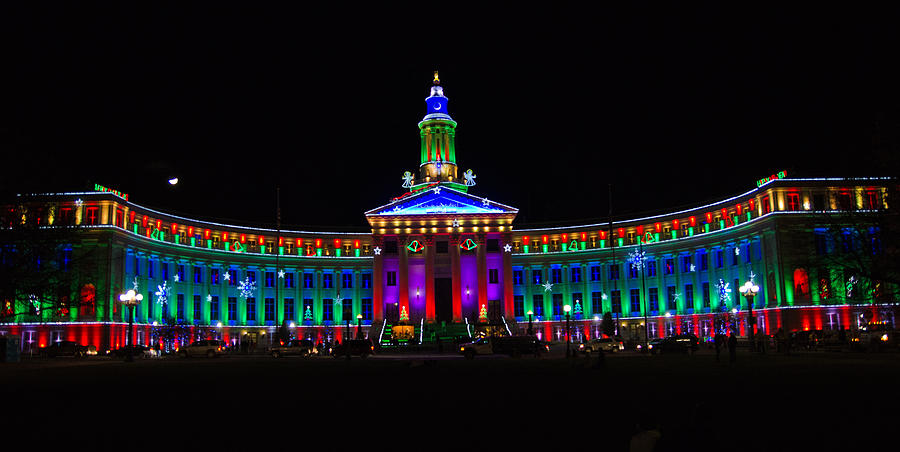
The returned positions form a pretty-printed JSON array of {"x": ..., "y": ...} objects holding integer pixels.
[
  {"x": 530, "y": 315},
  {"x": 749, "y": 290},
  {"x": 359, "y": 326},
  {"x": 130, "y": 299}
]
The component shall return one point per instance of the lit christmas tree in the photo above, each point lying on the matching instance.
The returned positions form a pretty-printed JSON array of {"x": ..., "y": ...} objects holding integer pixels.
[
  {"x": 404, "y": 316},
  {"x": 482, "y": 313},
  {"x": 307, "y": 314},
  {"x": 578, "y": 310}
]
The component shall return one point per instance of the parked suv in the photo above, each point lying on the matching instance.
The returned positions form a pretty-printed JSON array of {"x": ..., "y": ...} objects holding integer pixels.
[
  {"x": 359, "y": 347},
  {"x": 209, "y": 348},
  {"x": 68, "y": 348},
  {"x": 606, "y": 344},
  {"x": 298, "y": 347},
  {"x": 681, "y": 343},
  {"x": 507, "y": 345}
]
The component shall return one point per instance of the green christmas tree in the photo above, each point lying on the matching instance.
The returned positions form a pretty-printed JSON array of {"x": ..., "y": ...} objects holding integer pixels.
[
  {"x": 578, "y": 310},
  {"x": 404, "y": 316},
  {"x": 307, "y": 315},
  {"x": 482, "y": 313}
]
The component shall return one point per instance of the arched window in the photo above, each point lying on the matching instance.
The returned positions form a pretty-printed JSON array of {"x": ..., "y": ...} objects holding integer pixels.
[
  {"x": 801, "y": 283},
  {"x": 88, "y": 296}
]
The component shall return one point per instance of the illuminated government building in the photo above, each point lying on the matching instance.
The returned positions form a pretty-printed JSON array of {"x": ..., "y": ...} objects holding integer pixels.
[{"x": 440, "y": 260}]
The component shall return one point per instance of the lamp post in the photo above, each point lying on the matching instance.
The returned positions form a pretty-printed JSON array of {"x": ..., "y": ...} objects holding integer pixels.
[
  {"x": 749, "y": 290},
  {"x": 358, "y": 326},
  {"x": 566, "y": 309},
  {"x": 637, "y": 262},
  {"x": 530, "y": 329},
  {"x": 130, "y": 299}
]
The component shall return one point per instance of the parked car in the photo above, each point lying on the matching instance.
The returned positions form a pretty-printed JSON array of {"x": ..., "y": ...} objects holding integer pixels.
[
  {"x": 354, "y": 347},
  {"x": 606, "y": 344},
  {"x": 296, "y": 347},
  {"x": 68, "y": 348},
  {"x": 209, "y": 348},
  {"x": 137, "y": 351},
  {"x": 681, "y": 343}
]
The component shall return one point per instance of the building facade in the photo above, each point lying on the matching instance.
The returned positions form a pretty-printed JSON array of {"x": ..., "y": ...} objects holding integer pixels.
[{"x": 438, "y": 258}]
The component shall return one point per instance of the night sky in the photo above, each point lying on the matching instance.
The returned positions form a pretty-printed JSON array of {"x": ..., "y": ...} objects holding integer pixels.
[{"x": 674, "y": 105}]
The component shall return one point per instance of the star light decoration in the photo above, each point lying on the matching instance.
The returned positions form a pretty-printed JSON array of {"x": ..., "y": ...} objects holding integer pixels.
[
  {"x": 227, "y": 276},
  {"x": 338, "y": 300},
  {"x": 485, "y": 201},
  {"x": 247, "y": 287},
  {"x": 281, "y": 273},
  {"x": 79, "y": 202},
  {"x": 437, "y": 190},
  {"x": 507, "y": 248},
  {"x": 377, "y": 251}
]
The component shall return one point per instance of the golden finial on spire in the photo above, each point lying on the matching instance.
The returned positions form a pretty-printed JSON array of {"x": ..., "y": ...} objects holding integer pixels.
[{"x": 437, "y": 81}]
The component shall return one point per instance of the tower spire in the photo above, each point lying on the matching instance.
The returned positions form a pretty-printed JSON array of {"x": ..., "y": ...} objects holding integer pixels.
[{"x": 438, "y": 134}]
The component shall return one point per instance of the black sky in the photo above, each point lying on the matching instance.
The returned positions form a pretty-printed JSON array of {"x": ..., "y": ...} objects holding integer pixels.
[{"x": 674, "y": 105}]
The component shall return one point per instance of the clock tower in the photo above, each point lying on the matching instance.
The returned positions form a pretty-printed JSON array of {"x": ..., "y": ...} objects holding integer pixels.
[{"x": 437, "y": 131}]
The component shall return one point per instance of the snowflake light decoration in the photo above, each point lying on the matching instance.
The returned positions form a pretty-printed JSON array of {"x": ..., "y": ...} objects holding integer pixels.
[
  {"x": 548, "y": 286},
  {"x": 636, "y": 258},
  {"x": 247, "y": 288}
]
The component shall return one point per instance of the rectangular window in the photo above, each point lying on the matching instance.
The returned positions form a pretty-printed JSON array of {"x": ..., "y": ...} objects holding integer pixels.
[
  {"x": 251, "y": 309},
  {"x": 519, "y": 305},
  {"x": 653, "y": 299},
  {"x": 91, "y": 216},
  {"x": 366, "y": 280},
  {"x": 198, "y": 309},
  {"x": 651, "y": 268},
  {"x": 493, "y": 276},
  {"x": 180, "y": 307},
  {"x": 232, "y": 308},
  {"x": 347, "y": 280},
  {"x": 289, "y": 280},
  {"x": 214, "y": 276},
  {"x": 557, "y": 304},
  {"x": 635, "y": 301},
  {"x": 671, "y": 304},
  {"x": 686, "y": 264},
  {"x": 537, "y": 303},
  {"x": 765, "y": 205},
  {"x": 270, "y": 309},
  {"x": 536, "y": 276},
  {"x": 613, "y": 272},
  {"x": 391, "y": 278},
  {"x": 720, "y": 258},
  {"x": 137, "y": 266},
  {"x": 270, "y": 279},
  {"x": 164, "y": 270},
  {"x": 575, "y": 274},
  {"x": 670, "y": 266},
  {"x": 633, "y": 272},
  {"x": 180, "y": 274},
  {"x": 706, "y": 302},
  {"x": 327, "y": 282},
  {"x": 596, "y": 302},
  {"x": 517, "y": 277},
  {"x": 327, "y": 310},
  {"x": 309, "y": 281},
  {"x": 556, "y": 274},
  {"x": 689, "y": 296},
  {"x": 595, "y": 273},
  {"x": 289, "y": 310},
  {"x": 366, "y": 306},
  {"x": 616, "y": 301},
  {"x": 198, "y": 275},
  {"x": 577, "y": 301},
  {"x": 793, "y": 201},
  {"x": 149, "y": 268},
  {"x": 214, "y": 309}
]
